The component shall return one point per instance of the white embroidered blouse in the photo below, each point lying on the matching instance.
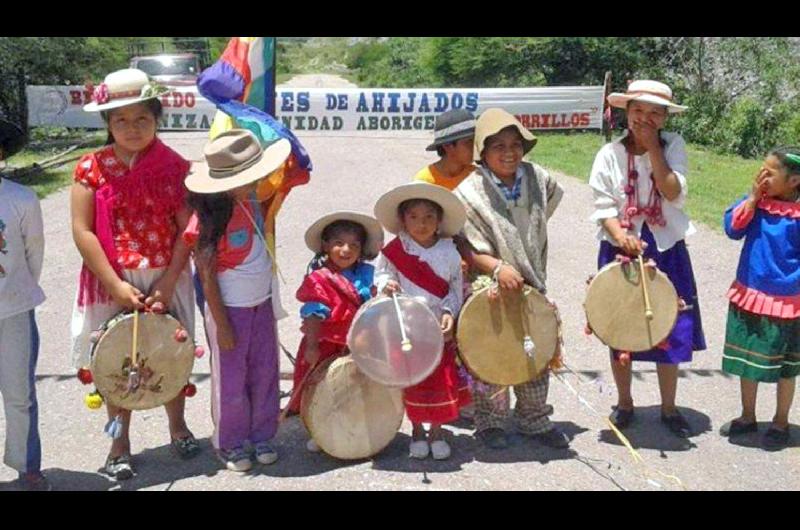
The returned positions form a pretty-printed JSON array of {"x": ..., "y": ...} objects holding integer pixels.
[
  {"x": 609, "y": 177},
  {"x": 443, "y": 258}
]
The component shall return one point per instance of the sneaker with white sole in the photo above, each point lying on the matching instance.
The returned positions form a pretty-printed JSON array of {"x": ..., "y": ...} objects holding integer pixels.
[
  {"x": 312, "y": 446},
  {"x": 235, "y": 459},
  {"x": 440, "y": 450},
  {"x": 419, "y": 449},
  {"x": 265, "y": 454}
]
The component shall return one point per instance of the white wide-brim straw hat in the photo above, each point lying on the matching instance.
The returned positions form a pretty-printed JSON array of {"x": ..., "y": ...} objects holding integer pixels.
[
  {"x": 646, "y": 91},
  {"x": 454, "y": 213},
  {"x": 123, "y": 88},
  {"x": 233, "y": 159},
  {"x": 494, "y": 120},
  {"x": 371, "y": 225}
]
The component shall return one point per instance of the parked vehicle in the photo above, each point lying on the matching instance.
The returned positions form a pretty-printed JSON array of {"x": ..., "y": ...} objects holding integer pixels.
[{"x": 175, "y": 69}]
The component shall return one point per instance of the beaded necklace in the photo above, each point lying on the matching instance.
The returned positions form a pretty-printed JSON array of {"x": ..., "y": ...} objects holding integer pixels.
[{"x": 652, "y": 210}]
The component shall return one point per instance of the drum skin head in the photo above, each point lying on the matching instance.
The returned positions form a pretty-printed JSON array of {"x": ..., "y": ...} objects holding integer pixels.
[
  {"x": 166, "y": 363},
  {"x": 349, "y": 415},
  {"x": 491, "y": 336},
  {"x": 375, "y": 341},
  {"x": 615, "y": 307}
]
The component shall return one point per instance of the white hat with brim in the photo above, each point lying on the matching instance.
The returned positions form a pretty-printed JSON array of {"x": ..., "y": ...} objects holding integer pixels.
[
  {"x": 494, "y": 120},
  {"x": 234, "y": 159},
  {"x": 646, "y": 91},
  {"x": 454, "y": 213},
  {"x": 123, "y": 88},
  {"x": 371, "y": 225}
]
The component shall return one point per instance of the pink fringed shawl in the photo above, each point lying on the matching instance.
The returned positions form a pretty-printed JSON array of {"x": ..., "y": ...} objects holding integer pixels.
[{"x": 154, "y": 183}]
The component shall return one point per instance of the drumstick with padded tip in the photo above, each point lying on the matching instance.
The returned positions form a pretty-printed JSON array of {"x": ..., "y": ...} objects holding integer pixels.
[
  {"x": 648, "y": 311},
  {"x": 405, "y": 344}
]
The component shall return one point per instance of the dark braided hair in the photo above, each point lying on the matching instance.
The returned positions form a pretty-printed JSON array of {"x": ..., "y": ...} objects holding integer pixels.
[
  {"x": 214, "y": 212},
  {"x": 792, "y": 167}
]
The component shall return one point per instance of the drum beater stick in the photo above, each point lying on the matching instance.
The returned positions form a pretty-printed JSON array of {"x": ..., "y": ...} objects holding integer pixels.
[
  {"x": 133, "y": 375},
  {"x": 405, "y": 344},
  {"x": 648, "y": 311}
]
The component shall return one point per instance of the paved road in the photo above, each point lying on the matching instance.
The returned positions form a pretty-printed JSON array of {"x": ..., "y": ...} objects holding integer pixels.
[{"x": 352, "y": 172}]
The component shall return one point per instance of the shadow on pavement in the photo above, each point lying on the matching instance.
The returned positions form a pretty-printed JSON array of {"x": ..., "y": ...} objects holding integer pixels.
[
  {"x": 395, "y": 456},
  {"x": 524, "y": 448},
  {"x": 647, "y": 432},
  {"x": 753, "y": 440}
]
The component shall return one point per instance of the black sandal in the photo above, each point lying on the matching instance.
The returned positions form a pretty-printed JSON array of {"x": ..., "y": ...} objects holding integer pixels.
[
  {"x": 119, "y": 467},
  {"x": 738, "y": 428},
  {"x": 775, "y": 439},
  {"x": 186, "y": 447}
]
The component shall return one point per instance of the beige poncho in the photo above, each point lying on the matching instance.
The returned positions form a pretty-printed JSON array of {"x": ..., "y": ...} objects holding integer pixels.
[{"x": 514, "y": 231}]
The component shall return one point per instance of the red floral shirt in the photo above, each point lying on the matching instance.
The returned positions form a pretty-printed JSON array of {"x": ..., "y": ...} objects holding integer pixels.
[{"x": 142, "y": 238}]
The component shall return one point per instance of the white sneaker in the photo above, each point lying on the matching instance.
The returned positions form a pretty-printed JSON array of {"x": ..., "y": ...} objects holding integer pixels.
[
  {"x": 419, "y": 449},
  {"x": 312, "y": 446},
  {"x": 235, "y": 460},
  {"x": 440, "y": 450},
  {"x": 265, "y": 454}
]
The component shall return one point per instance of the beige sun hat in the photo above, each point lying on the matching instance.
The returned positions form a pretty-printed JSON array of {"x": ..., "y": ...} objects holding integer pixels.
[
  {"x": 647, "y": 91},
  {"x": 454, "y": 214},
  {"x": 235, "y": 158},
  {"x": 122, "y": 88},
  {"x": 371, "y": 225},
  {"x": 494, "y": 120}
]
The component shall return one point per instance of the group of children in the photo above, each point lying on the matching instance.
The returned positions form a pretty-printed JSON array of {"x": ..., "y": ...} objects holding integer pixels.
[{"x": 139, "y": 212}]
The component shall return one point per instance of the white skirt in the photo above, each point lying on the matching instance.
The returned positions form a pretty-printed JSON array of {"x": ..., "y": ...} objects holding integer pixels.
[{"x": 90, "y": 318}]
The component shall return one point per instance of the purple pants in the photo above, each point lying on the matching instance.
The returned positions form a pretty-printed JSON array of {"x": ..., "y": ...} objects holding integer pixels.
[{"x": 244, "y": 380}]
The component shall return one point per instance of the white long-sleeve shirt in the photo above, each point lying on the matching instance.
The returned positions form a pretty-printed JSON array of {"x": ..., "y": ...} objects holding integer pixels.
[
  {"x": 21, "y": 249},
  {"x": 609, "y": 177},
  {"x": 443, "y": 258}
]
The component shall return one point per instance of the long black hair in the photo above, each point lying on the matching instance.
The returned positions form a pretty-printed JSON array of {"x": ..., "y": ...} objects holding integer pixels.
[
  {"x": 214, "y": 212},
  {"x": 153, "y": 105}
]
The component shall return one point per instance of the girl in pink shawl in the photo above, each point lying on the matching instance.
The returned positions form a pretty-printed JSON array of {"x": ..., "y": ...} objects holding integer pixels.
[{"x": 127, "y": 207}]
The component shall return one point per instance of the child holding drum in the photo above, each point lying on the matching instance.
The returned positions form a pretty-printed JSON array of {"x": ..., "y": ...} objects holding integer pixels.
[
  {"x": 128, "y": 207},
  {"x": 241, "y": 291},
  {"x": 639, "y": 185},
  {"x": 762, "y": 339},
  {"x": 337, "y": 283},
  {"x": 508, "y": 203},
  {"x": 422, "y": 261}
]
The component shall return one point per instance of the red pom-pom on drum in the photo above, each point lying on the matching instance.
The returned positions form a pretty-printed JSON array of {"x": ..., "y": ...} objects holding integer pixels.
[
  {"x": 85, "y": 376},
  {"x": 199, "y": 352},
  {"x": 181, "y": 335},
  {"x": 189, "y": 390}
]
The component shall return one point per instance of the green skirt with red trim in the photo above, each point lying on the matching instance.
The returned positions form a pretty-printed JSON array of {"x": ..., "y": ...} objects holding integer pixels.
[{"x": 761, "y": 348}]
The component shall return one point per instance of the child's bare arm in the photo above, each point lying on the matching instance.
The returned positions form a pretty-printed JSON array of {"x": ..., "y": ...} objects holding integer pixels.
[
  {"x": 208, "y": 277},
  {"x": 507, "y": 276},
  {"x": 311, "y": 328},
  {"x": 82, "y": 211},
  {"x": 164, "y": 288}
]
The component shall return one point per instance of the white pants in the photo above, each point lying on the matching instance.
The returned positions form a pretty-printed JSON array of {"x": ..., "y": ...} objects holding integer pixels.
[
  {"x": 89, "y": 318},
  {"x": 19, "y": 349}
]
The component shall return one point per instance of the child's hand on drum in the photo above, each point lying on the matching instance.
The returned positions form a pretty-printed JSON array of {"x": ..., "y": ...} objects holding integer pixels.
[
  {"x": 391, "y": 287},
  {"x": 509, "y": 279},
  {"x": 160, "y": 296},
  {"x": 630, "y": 244},
  {"x": 127, "y": 295},
  {"x": 226, "y": 338},
  {"x": 447, "y": 326}
]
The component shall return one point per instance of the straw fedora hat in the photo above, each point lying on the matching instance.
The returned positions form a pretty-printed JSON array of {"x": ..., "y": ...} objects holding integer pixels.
[
  {"x": 454, "y": 213},
  {"x": 371, "y": 225},
  {"x": 451, "y": 126},
  {"x": 494, "y": 120},
  {"x": 649, "y": 92},
  {"x": 235, "y": 158},
  {"x": 122, "y": 88}
]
